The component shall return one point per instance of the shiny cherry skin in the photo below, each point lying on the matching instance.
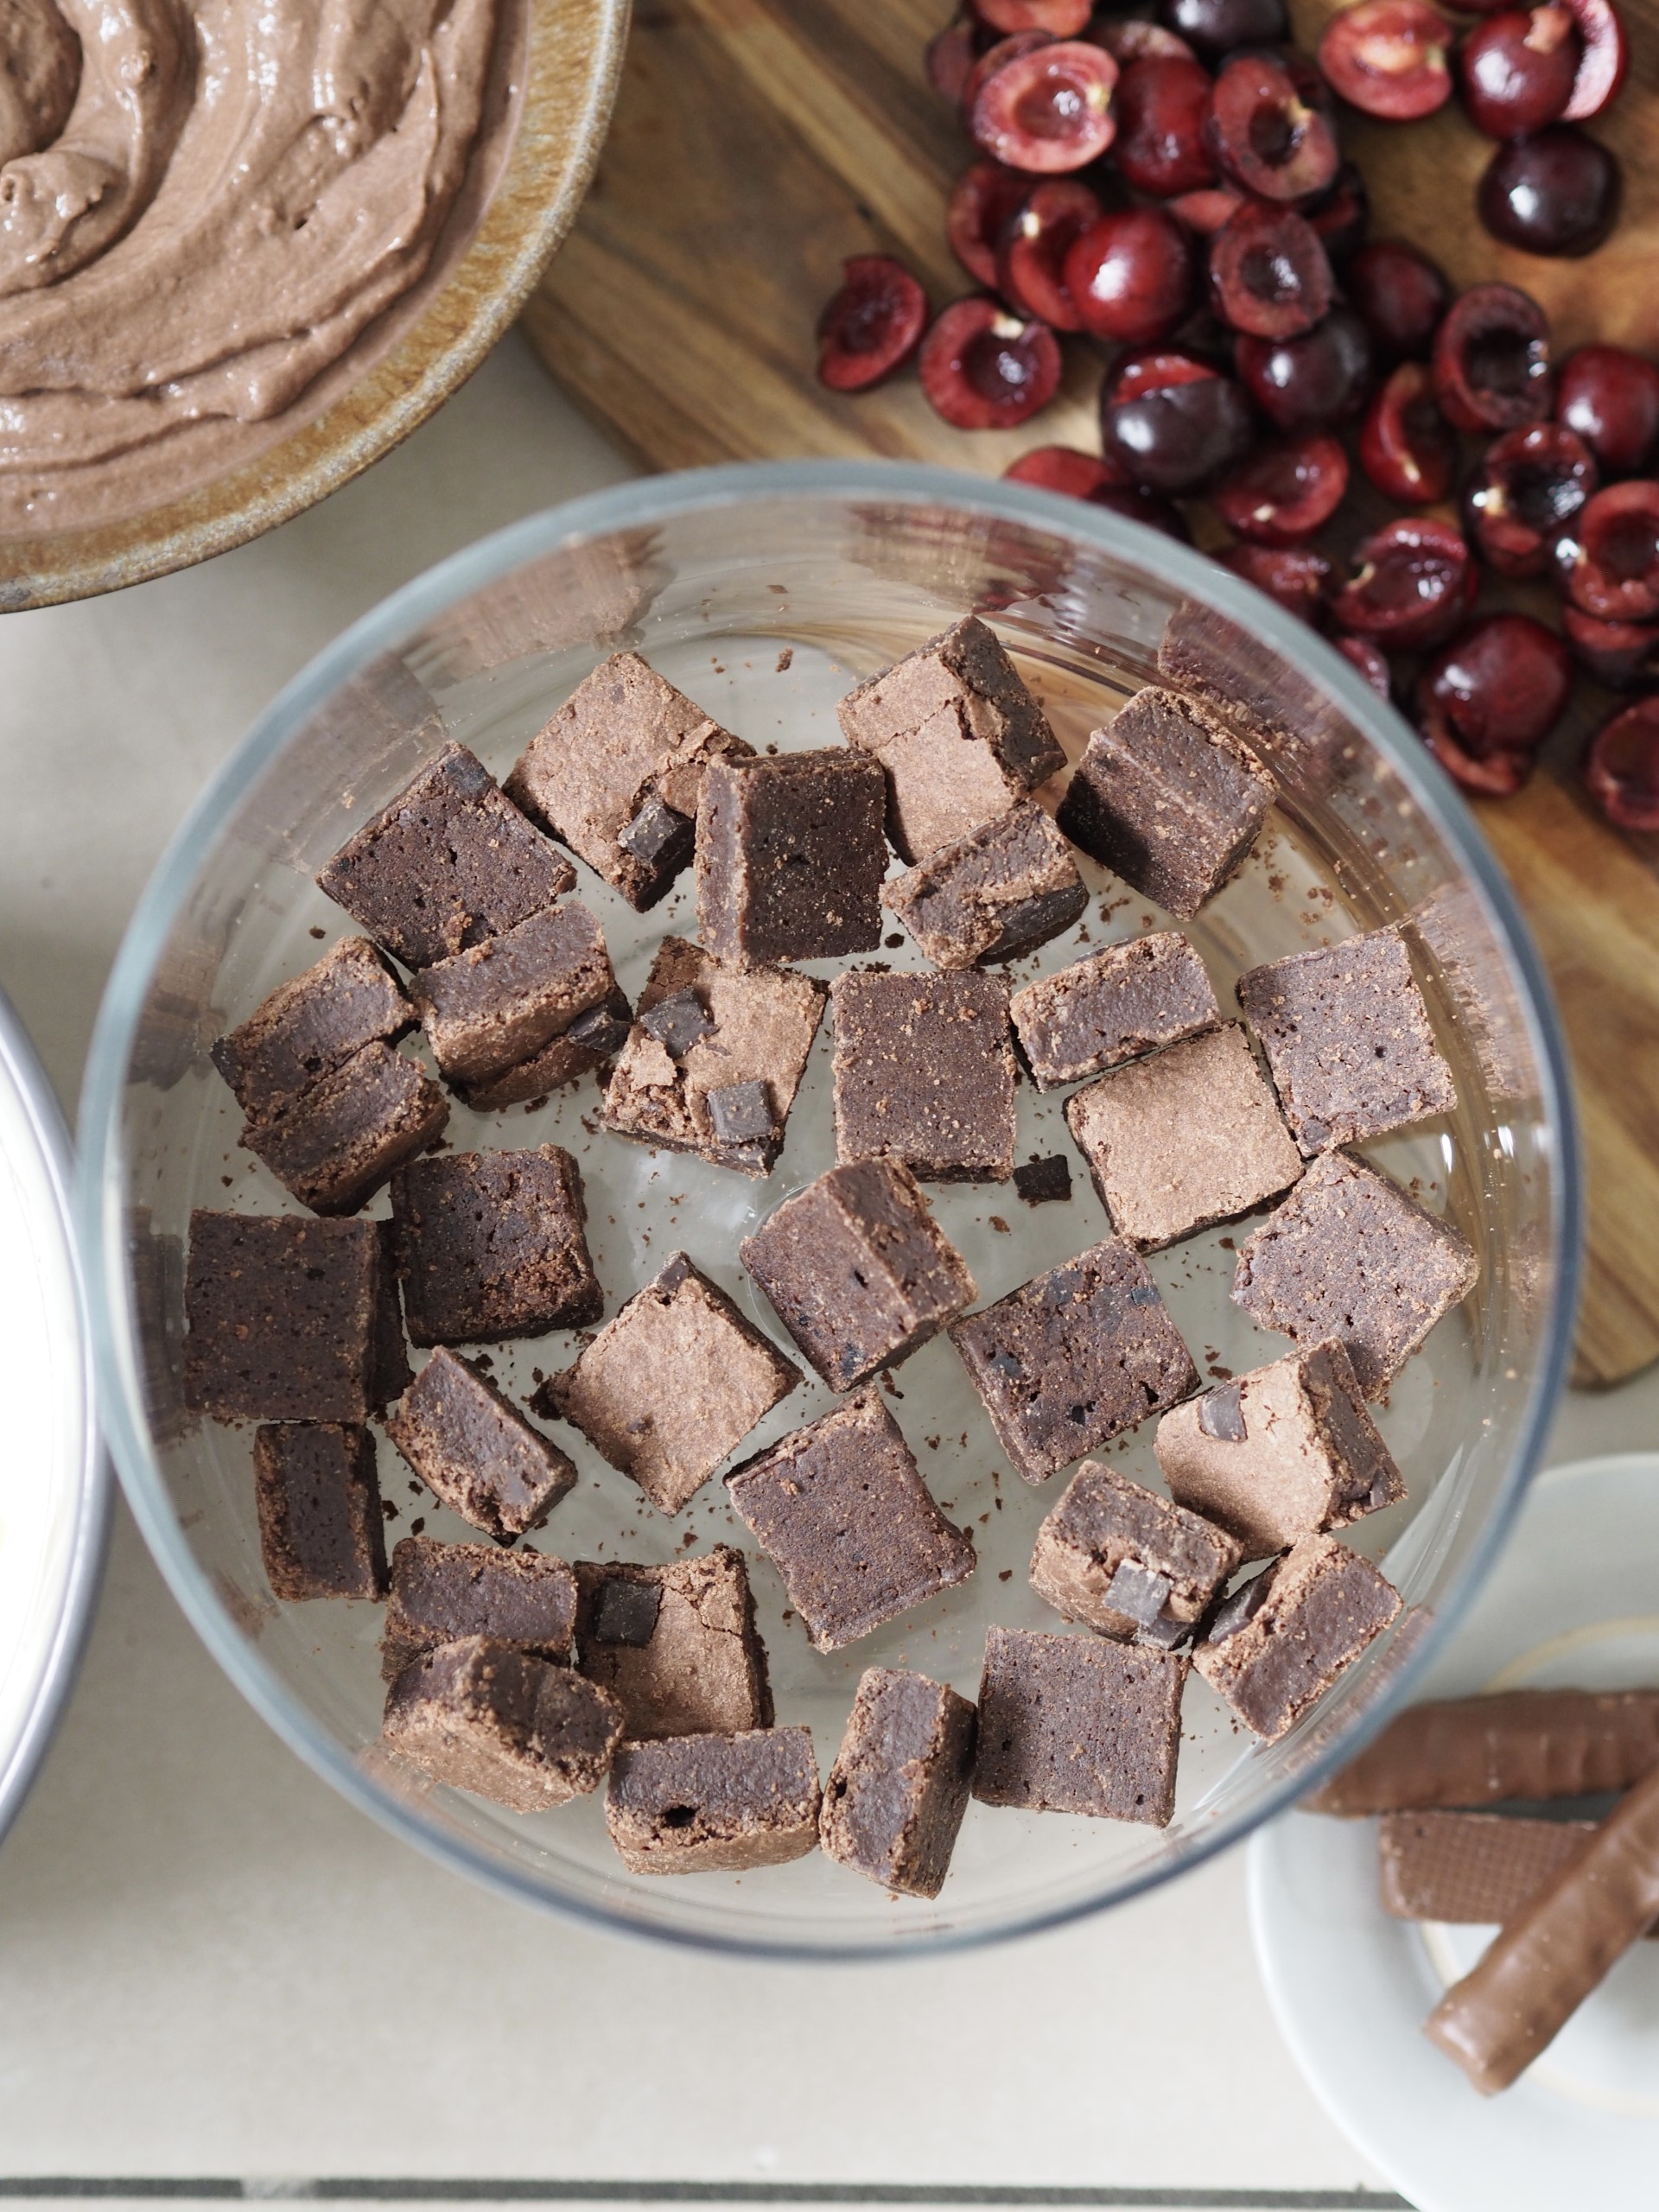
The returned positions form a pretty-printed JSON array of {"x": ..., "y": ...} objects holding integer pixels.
[
  {"x": 1608, "y": 560},
  {"x": 1270, "y": 128},
  {"x": 873, "y": 325},
  {"x": 1371, "y": 662},
  {"x": 1621, "y": 769},
  {"x": 983, "y": 368},
  {"x": 1213, "y": 27},
  {"x": 1516, "y": 70},
  {"x": 1490, "y": 359},
  {"x": 1048, "y": 110},
  {"x": 1624, "y": 656},
  {"x": 983, "y": 202},
  {"x": 1030, "y": 261},
  {"x": 1387, "y": 58},
  {"x": 1284, "y": 492},
  {"x": 1269, "y": 276},
  {"x": 1175, "y": 437},
  {"x": 1412, "y": 584},
  {"x": 1531, "y": 485},
  {"x": 1129, "y": 39},
  {"x": 1162, "y": 107},
  {"x": 1311, "y": 382},
  {"x": 1500, "y": 686},
  {"x": 1400, "y": 296},
  {"x": 1296, "y": 577},
  {"x": 1407, "y": 447},
  {"x": 1101, "y": 482},
  {"x": 1131, "y": 275},
  {"x": 1555, "y": 194},
  {"x": 1604, "y": 56},
  {"x": 1611, "y": 398}
]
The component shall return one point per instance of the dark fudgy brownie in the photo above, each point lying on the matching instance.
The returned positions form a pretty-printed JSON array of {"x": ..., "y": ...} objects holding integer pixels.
[
  {"x": 591, "y": 1042},
  {"x": 896, "y": 1795},
  {"x": 1127, "y": 1562},
  {"x": 474, "y": 1450},
  {"x": 1279, "y": 1642},
  {"x": 443, "y": 1593},
  {"x": 1003, "y": 889},
  {"x": 311, "y": 1026},
  {"x": 1113, "y": 1007},
  {"x": 334, "y": 1144},
  {"x": 1077, "y": 1723},
  {"x": 490, "y": 1718},
  {"x": 791, "y": 854},
  {"x": 714, "y": 1804},
  {"x": 678, "y": 1645},
  {"x": 320, "y": 1527},
  {"x": 840, "y": 1510},
  {"x": 491, "y": 1008},
  {"x": 492, "y": 1244},
  {"x": 924, "y": 1072}
]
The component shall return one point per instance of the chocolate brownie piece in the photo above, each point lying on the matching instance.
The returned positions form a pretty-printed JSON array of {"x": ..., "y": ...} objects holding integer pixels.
[
  {"x": 1348, "y": 1256},
  {"x": 1003, "y": 889},
  {"x": 840, "y": 1510},
  {"x": 1115, "y": 1005},
  {"x": 1278, "y": 1643},
  {"x": 1077, "y": 1723},
  {"x": 791, "y": 854},
  {"x": 312, "y": 1024},
  {"x": 924, "y": 1072},
  {"x": 678, "y": 1645},
  {"x": 958, "y": 734},
  {"x": 447, "y": 863},
  {"x": 1074, "y": 1358},
  {"x": 500, "y": 1004},
  {"x": 443, "y": 1593},
  {"x": 1471, "y": 1866},
  {"x": 290, "y": 1318},
  {"x": 1166, "y": 798},
  {"x": 474, "y": 1450},
  {"x": 857, "y": 1270},
  {"x": 1042, "y": 1182},
  {"x": 1288, "y": 1452},
  {"x": 617, "y": 775},
  {"x": 492, "y": 1719},
  {"x": 334, "y": 1144},
  {"x": 719, "y": 1075},
  {"x": 672, "y": 1385},
  {"x": 1348, "y": 1041},
  {"x": 320, "y": 1527},
  {"x": 1125, "y": 1561},
  {"x": 895, "y": 1801},
  {"x": 492, "y": 1244},
  {"x": 587, "y": 1046},
  {"x": 714, "y": 1804},
  {"x": 1193, "y": 1135}
]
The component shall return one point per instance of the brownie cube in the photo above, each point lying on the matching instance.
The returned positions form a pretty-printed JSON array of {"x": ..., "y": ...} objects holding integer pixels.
[
  {"x": 857, "y": 1270},
  {"x": 312, "y": 1024},
  {"x": 492, "y": 1245},
  {"x": 840, "y": 1510},
  {"x": 320, "y": 1527},
  {"x": 791, "y": 854},
  {"x": 1279, "y": 1642},
  {"x": 617, "y": 775},
  {"x": 491, "y": 1008},
  {"x": 1191, "y": 1136},
  {"x": 895, "y": 1801},
  {"x": 1115, "y": 1005},
  {"x": 1077, "y": 1723},
  {"x": 290, "y": 1318},
  {"x": 957, "y": 731},
  {"x": 722, "y": 1087},
  {"x": 491, "y": 1720},
  {"x": 676, "y": 1645},
  {"x": 1074, "y": 1358},
  {"x": 587, "y": 1047},
  {"x": 1348, "y": 1256},
  {"x": 714, "y": 1804},
  {"x": 1003, "y": 889},
  {"x": 1168, "y": 798},
  {"x": 673, "y": 1385},
  {"x": 924, "y": 1072},
  {"x": 474, "y": 1450},
  {"x": 447, "y": 863},
  {"x": 335, "y": 1143},
  {"x": 443, "y": 1592},
  {"x": 1348, "y": 1041},
  {"x": 1288, "y": 1452},
  {"x": 1127, "y": 1562}
]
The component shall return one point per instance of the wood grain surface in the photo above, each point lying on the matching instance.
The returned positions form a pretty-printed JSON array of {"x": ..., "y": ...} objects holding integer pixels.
[{"x": 758, "y": 143}]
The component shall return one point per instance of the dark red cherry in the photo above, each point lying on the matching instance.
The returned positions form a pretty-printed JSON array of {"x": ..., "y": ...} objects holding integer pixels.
[
  {"x": 1371, "y": 662},
  {"x": 1311, "y": 382},
  {"x": 1611, "y": 398},
  {"x": 1407, "y": 447},
  {"x": 1174, "y": 437},
  {"x": 1059, "y": 18},
  {"x": 997, "y": 56},
  {"x": 1491, "y": 359},
  {"x": 984, "y": 368},
  {"x": 983, "y": 202},
  {"x": 1283, "y": 493},
  {"x": 1154, "y": 368},
  {"x": 1400, "y": 296},
  {"x": 1500, "y": 686},
  {"x": 1531, "y": 484},
  {"x": 1102, "y": 483},
  {"x": 1030, "y": 266},
  {"x": 1603, "y": 59},
  {"x": 1608, "y": 560},
  {"x": 1412, "y": 583},
  {"x": 1204, "y": 213},
  {"x": 1048, "y": 110},
  {"x": 951, "y": 58},
  {"x": 1515, "y": 71},
  {"x": 1127, "y": 39},
  {"x": 1388, "y": 58},
  {"x": 1216, "y": 27},
  {"x": 1268, "y": 273},
  {"x": 1162, "y": 106},
  {"x": 1269, "y": 128},
  {"x": 1130, "y": 276},
  {"x": 1621, "y": 769},
  {"x": 1340, "y": 216},
  {"x": 1624, "y": 656},
  {"x": 872, "y": 325},
  {"x": 1296, "y": 577},
  {"x": 1554, "y": 194}
]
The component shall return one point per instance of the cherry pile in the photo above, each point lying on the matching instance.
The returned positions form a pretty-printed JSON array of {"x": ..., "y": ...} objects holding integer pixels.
[{"x": 1174, "y": 192}]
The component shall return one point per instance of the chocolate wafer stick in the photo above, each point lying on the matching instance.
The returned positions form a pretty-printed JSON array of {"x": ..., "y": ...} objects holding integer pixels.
[{"x": 1480, "y": 1750}]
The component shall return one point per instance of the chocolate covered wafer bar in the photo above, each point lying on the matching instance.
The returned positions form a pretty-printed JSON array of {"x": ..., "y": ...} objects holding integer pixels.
[{"x": 1470, "y": 1866}]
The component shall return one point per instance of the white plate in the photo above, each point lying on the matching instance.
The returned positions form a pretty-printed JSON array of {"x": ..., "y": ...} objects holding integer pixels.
[{"x": 1573, "y": 1602}]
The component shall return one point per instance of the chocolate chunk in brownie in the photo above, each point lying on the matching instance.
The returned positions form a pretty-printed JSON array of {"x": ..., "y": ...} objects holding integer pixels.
[
  {"x": 1278, "y": 1644},
  {"x": 1348, "y": 1041},
  {"x": 840, "y": 1510},
  {"x": 290, "y": 1318},
  {"x": 857, "y": 1270},
  {"x": 441, "y": 1592},
  {"x": 1125, "y": 1561},
  {"x": 1166, "y": 798},
  {"x": 1191, "y": 1136},
  {"x": 893, "y": 1803},
  {"x": 958, "y": 734},
  {"x": 791, "y": 854},
  {"x": 320, "y": 1527},
  {"x": 474, "y": 1450},
  {"x": 617, "y": 775},
  {"x": 678, "y": 1645},
  {"x": 672, "y": 1385},
  {"x": 710, "y": 1805},
  {"x": 1001, "y": 890},
  {"x": 490, "y": 1009},
  {"x": 592, "y": 1041},
  {"x": 1074, "y": 1358},
  {"x": 1288, "y": 1452},
  {"x": 492, "y": 1244},
  {"x": 1078, "y": 1724},
  {"x": 924, "y": 1072},
  {"x": 705, "y": 1033},
  {"x": 334, "y": 1144},
  {"x": 1348, "y": 1256},
  {"x": 1115, "y": 1005},
  {"x": 447, "y": 863},
  {"x": 492, "y": 1718},
  {"x": 312, "y": 1024},
  {"x": 1042, "y": 1182}
]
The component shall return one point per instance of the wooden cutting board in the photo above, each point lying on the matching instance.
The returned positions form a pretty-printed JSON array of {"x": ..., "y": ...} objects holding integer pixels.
[{"x": 758, "y": 143}]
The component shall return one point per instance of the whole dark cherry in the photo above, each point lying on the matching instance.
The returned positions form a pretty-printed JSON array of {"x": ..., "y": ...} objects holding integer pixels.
[
  {"x": 1154, "y": 368},
  {"x": 1173, "y": 431},
  {"x": 1216, "y": 27},
  {"x": 1270, "y": 128},
  {"x": 1621, "y": 769},
  {"x": 1285, "y": 493},
  {"x": 1130, "y": 276},
  {"x": 1049, "y": 111},
  {"x": 1269, "y": 276},
  {"x": 1087, "y": 476},
  {"x": 1608, "y": 560},
  {"x": 1311, "y": 382},
  {"x": 1296, "y": 577},
  {"x": 1059, "y": 18},
  {"x": 1412, "y": 583},
  {"x": 1554, "y": 194},
  {"x": 984, "y": 368},
  {"x": 983, "y": 202},
  {"x": 1340, "y": 216},
  {"x": 1624, "y": 656},
  {"x": 1371, "y": 662},
  {"x": 1407, "y": 447},
  {"x": 1162, "y": 106},
  {"x": 1515, "y": 71},
  {"x": 1530, "y": 486},
  {"x": 1604, "y": 59},
  {"x": 1491, "y": 359},
  {"x": 1400, "y": 296},
  {"x": 872, "y": 325},
  {"x": 1500, "y": 686},
  {"x": 1611, "y": 398},
  {"x": 1031, "y": 263},
  {"x": 1388, "y": 58}
]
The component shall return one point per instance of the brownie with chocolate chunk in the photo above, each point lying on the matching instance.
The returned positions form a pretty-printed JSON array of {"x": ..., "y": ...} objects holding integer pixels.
[
  {"x": 857, "y": 1270},
  {"x": 448, "y": 862},
  {"x": 1043, "y": 1182},
  {"x": 492, "y": 1719},
  {"x": 492, "y": 1245},
  {"x": 1167, "y": 797},
  {"x": 1003, "y": 889},
  {"x": 321, "y": 1527},
  {"x": 1078, "y": 1724},
  {"x": 1074, "y": 1358},
  {"x": 1278, "y": 1643},
  {"x": 441, "y": 1593},
  {"x": 840, "y": 1510},
  {"x": 587, "y": 1047},
  {"x": 958, "y": 734},
  {"x": 678, "y": 1645},
  {"x": 336, "y": 1142},
  {"x": 924, "y": 1072},
  {"x": 896, "y": 1795},
  {"x": 791, "y": 854},
  {"x": 312, "y": 1024},
  {"x": 617, "y": 775},
  {"x": 502, "y": 1002},
  {"x": 714, "y": 1804},
  {"x": 1125, "y": 1561},
  {"x": 474, "y": 1450},
  {"x": 1115, "y": 1005}
]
